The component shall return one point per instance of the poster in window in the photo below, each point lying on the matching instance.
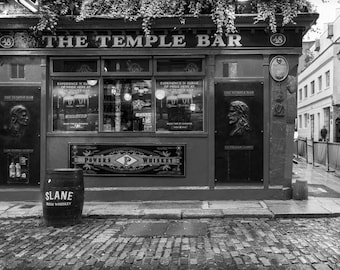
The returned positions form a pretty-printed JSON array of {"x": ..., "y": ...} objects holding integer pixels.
[
  {"x": 75, "y": 105},
  {"x": 179, "y": 105}
]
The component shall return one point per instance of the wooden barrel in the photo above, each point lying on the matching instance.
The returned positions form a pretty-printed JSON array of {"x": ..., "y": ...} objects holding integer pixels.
[
  {"x": 300, "y": 190},
  {"x": 63, "y": 197}
]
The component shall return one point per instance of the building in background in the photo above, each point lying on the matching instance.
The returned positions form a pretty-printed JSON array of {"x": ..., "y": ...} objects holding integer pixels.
[{"x": 318, "y": 96}]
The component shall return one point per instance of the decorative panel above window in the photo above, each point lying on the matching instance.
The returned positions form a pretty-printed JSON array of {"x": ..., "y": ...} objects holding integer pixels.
[
  {"x": 133, "y": 66},
  {"x": 180, "y": 66},
  {"x": 71, "y": 67}
]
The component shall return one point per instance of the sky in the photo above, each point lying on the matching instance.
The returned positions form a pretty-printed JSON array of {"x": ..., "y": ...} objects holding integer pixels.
[{"x": 327, "y": 12}]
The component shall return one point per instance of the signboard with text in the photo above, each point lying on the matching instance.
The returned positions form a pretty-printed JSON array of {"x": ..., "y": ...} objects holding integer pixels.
[
  {"x": 185, "y": 39},
  {"x": 128, "y": 160}
]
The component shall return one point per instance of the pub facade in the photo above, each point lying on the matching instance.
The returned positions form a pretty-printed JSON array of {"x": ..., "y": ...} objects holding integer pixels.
[{"x": 179, "y": 114}]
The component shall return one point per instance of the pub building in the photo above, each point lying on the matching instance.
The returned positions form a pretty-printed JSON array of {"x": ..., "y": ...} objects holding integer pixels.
[{"x": 179, "y": 114}]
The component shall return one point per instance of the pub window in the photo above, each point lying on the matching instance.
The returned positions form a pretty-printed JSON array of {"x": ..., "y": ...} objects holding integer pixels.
[
  {"x": 179, "y": 105},
  {"x": 71, "y": 67},
  {"x": 127, "y": 65},
  {"x": 75, "y": 104},
  {"x": 232, "y": 66},
  {"x": 17, "y": 71},
  {"x": 127, "y": 105}
]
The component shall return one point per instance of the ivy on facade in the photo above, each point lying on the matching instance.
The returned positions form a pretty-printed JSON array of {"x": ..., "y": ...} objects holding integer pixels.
[{"x": 222, "y": 12}]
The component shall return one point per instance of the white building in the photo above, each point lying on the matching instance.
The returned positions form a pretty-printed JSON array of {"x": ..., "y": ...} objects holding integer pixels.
[{"x": 318, "y": 95}]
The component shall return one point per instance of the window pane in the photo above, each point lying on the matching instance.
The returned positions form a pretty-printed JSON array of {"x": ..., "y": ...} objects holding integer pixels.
[
  {"x": 179, "y": 65},
  {"x": 75, "y": 105},
  {"x": 21, "y": 71},
  {"x": 77, "y": 65},
  {"x": 179, "y": 105},
  {"x": 127, "y": 105},
  {"x": 14, "y": 73},
  {"x": 126, "y": 65}
]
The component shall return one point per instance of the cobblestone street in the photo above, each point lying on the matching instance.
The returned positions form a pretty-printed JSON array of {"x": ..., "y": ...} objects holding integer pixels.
[{"x": 229, "y": 243}]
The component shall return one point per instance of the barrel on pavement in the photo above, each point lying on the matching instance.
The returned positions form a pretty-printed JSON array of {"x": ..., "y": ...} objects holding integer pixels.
[{"x": 63, "y": 197}]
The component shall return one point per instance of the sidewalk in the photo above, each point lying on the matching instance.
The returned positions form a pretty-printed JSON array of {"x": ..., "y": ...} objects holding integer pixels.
[{"x": 323, "y": 201}]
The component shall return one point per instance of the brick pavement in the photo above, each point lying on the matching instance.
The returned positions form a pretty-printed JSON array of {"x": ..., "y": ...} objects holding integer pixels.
[{"x": 220, "y": 243}]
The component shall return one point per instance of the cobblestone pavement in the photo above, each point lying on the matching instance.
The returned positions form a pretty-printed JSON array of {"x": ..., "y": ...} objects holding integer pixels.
[{"x": 229, "y": 243}]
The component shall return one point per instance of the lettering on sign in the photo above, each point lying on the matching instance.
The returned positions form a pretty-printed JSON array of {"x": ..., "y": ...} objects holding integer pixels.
[
  {"x": 238, "y": 147},
  {"x": 106, "y": 159},
  {"x": 141, "y": 41},
  {"x": 239, "y": 93},
  {"x": 58, "y": 198}
]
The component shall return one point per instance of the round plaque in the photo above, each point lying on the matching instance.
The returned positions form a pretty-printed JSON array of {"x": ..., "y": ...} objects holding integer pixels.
[
  {"x": 279, "y": 68},
  {"x": 6, "y": 41},
  {"x": 278, "y": 39}
]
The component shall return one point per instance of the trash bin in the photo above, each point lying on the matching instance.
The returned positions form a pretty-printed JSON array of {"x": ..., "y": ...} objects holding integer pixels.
[
  {"x": 63, "y": 197},
  {"x": 300, "y": 190}
]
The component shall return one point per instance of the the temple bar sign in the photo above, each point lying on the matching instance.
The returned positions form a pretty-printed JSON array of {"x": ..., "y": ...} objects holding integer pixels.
[{"x": 141, "y": 41}]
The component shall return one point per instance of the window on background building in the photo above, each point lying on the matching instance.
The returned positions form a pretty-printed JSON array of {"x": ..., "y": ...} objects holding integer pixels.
[
  {"x": 17, "y": 71},
  {"x": 300, "y": 94},
  {"x": 320, "y": 83},
  {"x": 312, "y": 88},
  {"x": 305, "y": 91},
  {"x": 305, "y": 120},
  {"x": 328, "y": 78},
  {"x": 300, "y": 121}
]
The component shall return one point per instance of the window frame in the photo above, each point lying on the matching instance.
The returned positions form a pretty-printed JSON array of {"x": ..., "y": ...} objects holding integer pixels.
[
  {"x": 51, "y": 120},
  {"x": 312, "y": 87},
  {"x": 305, "y": 91},
  {"x": 127, "y": 74},
  {"x": 168, "y": 73},
  {"x": 328, "y": 78},
  {"x": 17, "y": 69},
  {"x": 181, "y": 78},
  {"x": 320, "y": 83},
  {"x": 152, "y": 75},
  {"x": 78, "y": 74}
]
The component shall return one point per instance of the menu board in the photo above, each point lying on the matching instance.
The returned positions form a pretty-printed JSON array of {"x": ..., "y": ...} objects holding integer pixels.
[
  {"x": 75, "y": 105},
  {"x": 179, "y": 105}
]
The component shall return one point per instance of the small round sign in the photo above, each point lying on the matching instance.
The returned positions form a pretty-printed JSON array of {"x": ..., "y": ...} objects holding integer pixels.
[
  {"x": 279, "y": 68},
  {"x": 278, "y": 39},
  {"x": 6, "y": 41}
]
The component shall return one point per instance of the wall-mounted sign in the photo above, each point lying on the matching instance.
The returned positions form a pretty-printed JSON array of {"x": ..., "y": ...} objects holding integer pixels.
[
  {"x": 278, "y": 39},
  {"x": 131, "y": 160},
  {"x": 202, "y": 38},
  {"x": 279, "y": 68},
  {"x": 6, "y": 41}
]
